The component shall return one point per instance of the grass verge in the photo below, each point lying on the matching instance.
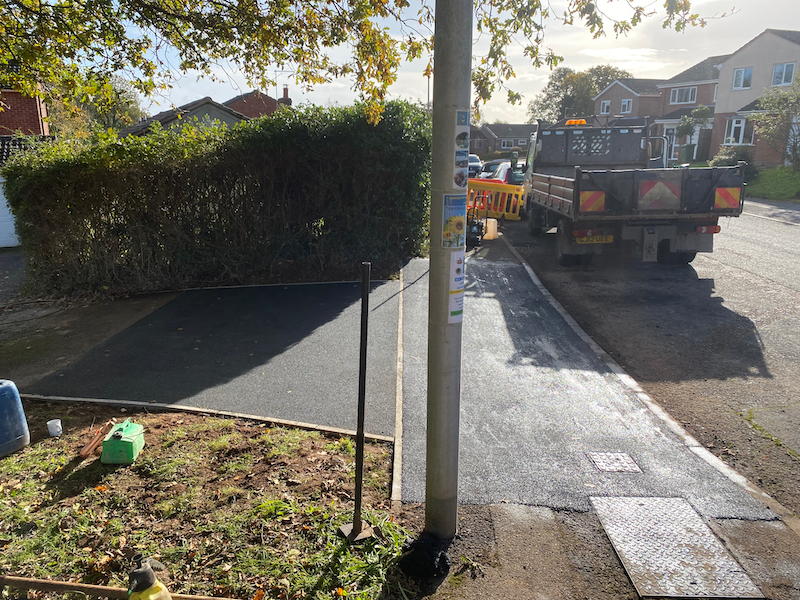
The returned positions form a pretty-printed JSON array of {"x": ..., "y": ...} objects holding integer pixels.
[
  {"x": 776, "y": 184},
  {"x": 232, "y": 507}
]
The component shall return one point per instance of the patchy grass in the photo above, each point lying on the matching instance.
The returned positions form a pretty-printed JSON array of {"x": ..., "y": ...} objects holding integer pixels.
[
  {"x": 776, "y": 184},
  {"x": 232, "y": 507}
]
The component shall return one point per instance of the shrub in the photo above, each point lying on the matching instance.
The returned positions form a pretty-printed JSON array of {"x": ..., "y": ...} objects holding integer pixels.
[
  {"x": 301, "y": 195},
  {"x": 729, "y": 156},
  {"x": 781, "y": 183}
]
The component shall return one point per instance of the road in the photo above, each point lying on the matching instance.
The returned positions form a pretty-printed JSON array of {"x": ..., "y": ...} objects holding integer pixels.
[{"x": 716, "y": 343}]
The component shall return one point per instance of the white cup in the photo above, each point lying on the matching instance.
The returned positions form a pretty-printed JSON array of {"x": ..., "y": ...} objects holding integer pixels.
[{"x": 54, "y": 427}]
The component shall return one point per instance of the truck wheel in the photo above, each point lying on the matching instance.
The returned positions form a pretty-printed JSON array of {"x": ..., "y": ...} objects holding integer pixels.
[
  {"x": 685, "y": 258},
  {"x": 535, "y": 225},
  {"x": 563, "y": 232},
  {"x": 664, "y": 256}
]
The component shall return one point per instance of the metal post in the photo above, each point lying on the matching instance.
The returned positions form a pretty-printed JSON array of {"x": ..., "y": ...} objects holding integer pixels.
[
  {"x": 451, "y": 95},
  {"x": 355, "y": 531}
]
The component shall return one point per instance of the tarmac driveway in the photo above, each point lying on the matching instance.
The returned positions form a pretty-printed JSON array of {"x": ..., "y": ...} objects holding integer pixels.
[{"x": 286, "y": 352}]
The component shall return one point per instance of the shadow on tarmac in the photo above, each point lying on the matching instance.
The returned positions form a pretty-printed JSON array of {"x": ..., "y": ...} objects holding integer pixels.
[
  {"x": 205, "y": 339},
  {"x": 664, "y": 316}
]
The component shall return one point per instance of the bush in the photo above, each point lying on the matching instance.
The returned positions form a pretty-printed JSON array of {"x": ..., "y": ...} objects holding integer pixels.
[
  {"x": 298, "y": 196},
  {"x": 781, "y": 183},
  {"x": 729, "y": 156}
]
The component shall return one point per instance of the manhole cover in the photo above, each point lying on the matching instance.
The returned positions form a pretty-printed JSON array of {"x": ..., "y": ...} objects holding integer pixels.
[
  {"x": 668, "y": 550},
  {"x": 614, "y": 462}
]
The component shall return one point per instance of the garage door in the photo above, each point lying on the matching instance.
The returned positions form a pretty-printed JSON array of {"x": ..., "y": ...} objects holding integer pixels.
[{"x": 7, "y": 236}]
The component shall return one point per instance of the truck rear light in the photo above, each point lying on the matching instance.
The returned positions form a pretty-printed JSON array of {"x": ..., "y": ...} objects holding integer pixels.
[
  {"x": 584, "y": 232},
  {"x": 709, "y": 229}
]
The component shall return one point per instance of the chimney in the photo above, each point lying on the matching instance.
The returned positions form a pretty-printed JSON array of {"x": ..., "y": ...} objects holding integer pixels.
[{"x": 286, "y": 101}]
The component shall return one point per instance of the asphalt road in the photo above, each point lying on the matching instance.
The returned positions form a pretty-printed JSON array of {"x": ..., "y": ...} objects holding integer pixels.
[{"x": 717, "y": 343}]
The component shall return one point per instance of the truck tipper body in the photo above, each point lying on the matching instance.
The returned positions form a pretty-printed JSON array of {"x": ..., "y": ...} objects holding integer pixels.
[{"x": 601, "y": 187}]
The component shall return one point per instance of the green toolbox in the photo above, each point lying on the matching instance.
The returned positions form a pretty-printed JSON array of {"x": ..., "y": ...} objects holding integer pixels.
[{"x": 122, "y": 444}]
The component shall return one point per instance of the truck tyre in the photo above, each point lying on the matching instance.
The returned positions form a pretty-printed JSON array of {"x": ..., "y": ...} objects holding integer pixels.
[
  {"x": 685, "y": 258},
  {"x": 535, "y": 224},
  {"x": 563, "y": 232},
  {"x": 664, "y": 256}
]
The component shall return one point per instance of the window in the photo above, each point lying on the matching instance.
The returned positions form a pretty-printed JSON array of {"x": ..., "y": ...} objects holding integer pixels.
[
  {"x": 742, "y": 78},
  {"x": 522, "y": 143},
  {"x": 626, "y": 106},
  {"x": 738, "y": 132},
  {"x": 605, "y": 107},
  {"x": 783, "y": 74},
  {"x": 505, "y": 144},
  {"x": 715, "y": 92},
  {"x": 685, "y": 95}
]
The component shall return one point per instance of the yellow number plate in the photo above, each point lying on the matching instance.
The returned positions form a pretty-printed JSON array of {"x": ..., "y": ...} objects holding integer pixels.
[{"x": 595, "y": 239}]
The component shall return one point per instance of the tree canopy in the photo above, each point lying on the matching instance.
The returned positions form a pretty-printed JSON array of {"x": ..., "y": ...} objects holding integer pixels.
[
  {"x": 85, "y": 114},
  {"x": 778, "y": 121},
  {"x": 55, "y": 42},
  {"x": 570, "y": 93}
]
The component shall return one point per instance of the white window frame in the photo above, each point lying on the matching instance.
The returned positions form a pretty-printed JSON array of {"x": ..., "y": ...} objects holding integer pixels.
[
  {"x": 506, "y": 144},
  {"x": 743, "y": 73},
  {"x": 522, "y": 143},
  {"x": 716, "y": 86},
  {"x": 605, "y": 107},
  {"x": 732, "y": 138},
  {"x": 782, "y": 67},
  {"x": 690, "y": 96},
  {"x": 622, "y": 110}
]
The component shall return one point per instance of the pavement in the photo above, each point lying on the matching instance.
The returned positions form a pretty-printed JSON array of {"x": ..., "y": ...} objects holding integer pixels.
[{"x": 553, "y": 432}]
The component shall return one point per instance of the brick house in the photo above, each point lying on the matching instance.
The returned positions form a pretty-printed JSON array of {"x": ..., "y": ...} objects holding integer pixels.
[
  {"x": 204, "y": 110},
  {"x": 500, "y": 137},
  {"x": 20, "y": 114},
  {"x": 629, "y": 97},
  {"x": 696, "y": 86},
  {"x": 768, "y": 60},
  {"x": 255, "y": 104}
]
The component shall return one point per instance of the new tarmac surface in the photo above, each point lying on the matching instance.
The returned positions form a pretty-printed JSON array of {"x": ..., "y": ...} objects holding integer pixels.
[{"x": 536, "y": 400}]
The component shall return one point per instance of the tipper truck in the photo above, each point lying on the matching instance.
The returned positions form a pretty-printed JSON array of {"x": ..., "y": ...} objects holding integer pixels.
[{"x": 598, "y": 186}]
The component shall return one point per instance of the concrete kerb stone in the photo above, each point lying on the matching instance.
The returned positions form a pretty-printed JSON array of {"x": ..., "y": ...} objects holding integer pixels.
[{"x": 698, "y": 449}]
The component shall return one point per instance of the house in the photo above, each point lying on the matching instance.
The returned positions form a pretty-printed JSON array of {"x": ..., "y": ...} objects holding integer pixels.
[
  {"x": 629, "y": 97},
  {"x": 696, "y": 86},
  {"x": 500, "y": 137},
  {"x": 204, "y": 110},
  {"x": 20, "y": 114},
  {"x": 255, "y": 104},
  {"x": 768, "y": 60}
]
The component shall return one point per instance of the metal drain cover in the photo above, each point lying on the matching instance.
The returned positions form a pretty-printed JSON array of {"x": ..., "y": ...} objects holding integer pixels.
[
  {"x": 668, "y": 550},
  {"x": 614, "y": 462}
]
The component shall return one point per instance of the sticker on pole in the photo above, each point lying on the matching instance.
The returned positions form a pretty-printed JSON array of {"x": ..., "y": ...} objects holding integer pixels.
[
  {"x": 454, "y": 221},
  {"x": 455, "y": 308},
  {"x": 461, "y": 158}
]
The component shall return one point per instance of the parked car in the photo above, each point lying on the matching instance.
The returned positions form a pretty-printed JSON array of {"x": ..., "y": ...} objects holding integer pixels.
[
  {"x": 503, "y": 173},
  {"x": 489, "y": 166},
  {"x": 475, "y": 165}
]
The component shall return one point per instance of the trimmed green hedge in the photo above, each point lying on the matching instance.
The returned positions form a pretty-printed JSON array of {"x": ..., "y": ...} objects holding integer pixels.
[{"x": 302, "y": 195}]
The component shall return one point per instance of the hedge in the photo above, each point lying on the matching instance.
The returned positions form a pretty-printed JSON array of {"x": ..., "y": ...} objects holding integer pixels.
[{"x": 302, "y": 195}]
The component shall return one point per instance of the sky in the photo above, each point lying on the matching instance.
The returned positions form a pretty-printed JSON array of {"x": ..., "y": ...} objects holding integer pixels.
[{"x": 649, "y": 51}]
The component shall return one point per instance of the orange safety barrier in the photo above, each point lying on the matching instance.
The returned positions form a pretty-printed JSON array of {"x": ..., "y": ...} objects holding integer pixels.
[{"x": 494, "y": 200}]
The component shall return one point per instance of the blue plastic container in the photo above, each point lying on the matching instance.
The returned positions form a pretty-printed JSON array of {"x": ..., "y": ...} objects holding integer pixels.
[{"x": 14, "y": 432}]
